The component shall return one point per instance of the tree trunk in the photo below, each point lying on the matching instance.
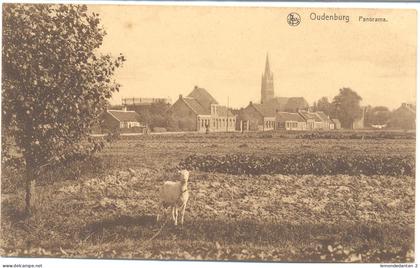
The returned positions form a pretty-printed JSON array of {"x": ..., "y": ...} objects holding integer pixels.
[{"x": 30, "y": 191}]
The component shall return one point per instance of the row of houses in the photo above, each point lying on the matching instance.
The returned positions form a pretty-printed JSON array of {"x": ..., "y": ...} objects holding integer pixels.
[
  {"x": 199, "y": 111},
  {"x": 260, "y": 117},
  {"x": 289, "y": 113}
]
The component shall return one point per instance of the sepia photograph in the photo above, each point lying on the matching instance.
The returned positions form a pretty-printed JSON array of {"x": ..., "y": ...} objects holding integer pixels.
[{"x": 208, "y": 133}]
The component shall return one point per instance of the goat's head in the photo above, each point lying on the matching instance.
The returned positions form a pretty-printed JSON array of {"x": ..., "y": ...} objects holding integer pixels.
[{"x": 185, "y": 174}]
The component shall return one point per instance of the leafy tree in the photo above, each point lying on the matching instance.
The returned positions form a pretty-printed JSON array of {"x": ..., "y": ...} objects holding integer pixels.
[
  {"x": 144, "y": 116},
  {"x": 159, "y": 114},
  {"x": 55, "y": 83},
  {"x": 402, "y": 118},
  {"x": 324, "y": 105},
  {"x": 379, "y": 115},
  {"x": 314, "y": 107},
  {"x": 346, "y": 107}
]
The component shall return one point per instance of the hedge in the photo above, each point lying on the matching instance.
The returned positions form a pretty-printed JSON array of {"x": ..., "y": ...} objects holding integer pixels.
[{"x": 303, "y": 163}]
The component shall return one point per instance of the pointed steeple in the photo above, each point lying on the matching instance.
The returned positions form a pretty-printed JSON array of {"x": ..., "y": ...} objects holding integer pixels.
[
  {"x": 267, "y": 85},
  {"x": 267, "y": 65}
]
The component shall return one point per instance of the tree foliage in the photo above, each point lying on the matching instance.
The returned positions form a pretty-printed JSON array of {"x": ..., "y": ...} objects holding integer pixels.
[
  {"x": 378, "y": 115},
  {"x": 402, "y": 118},
  {"x": 324, "y": 105},
  {"x": 55, "y": 83},
  {"x": 346, "y": 107},
  {"x": 155, "y": 115}
]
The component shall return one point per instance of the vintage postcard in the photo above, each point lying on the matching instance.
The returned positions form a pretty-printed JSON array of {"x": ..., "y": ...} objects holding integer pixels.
[{"x": 219, "y": 133}]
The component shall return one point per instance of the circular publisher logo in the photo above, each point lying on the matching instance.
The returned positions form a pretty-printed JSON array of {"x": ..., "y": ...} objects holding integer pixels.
[{"x": 293, "y": 19}]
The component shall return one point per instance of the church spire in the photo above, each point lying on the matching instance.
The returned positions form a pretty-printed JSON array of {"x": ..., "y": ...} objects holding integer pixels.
[
  {"x": 267, "y": 85},
  {"x": 267, "y": 65}
]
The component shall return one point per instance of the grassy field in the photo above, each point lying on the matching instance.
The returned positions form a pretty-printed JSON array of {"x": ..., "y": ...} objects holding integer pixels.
[{"x": 109, "y": 213}]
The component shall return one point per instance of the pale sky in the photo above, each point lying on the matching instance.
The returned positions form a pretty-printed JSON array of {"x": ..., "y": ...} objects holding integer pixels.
[{"x": 169, "y": 50}]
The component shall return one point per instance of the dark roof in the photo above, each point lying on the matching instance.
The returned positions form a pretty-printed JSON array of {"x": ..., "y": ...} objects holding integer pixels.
[
  {"x": 223, "y": 111},
  {"x": 264, "y": 109},
  {"x": 309, "y": 116},
  {"x": 124, "y": 116},
  {"x": 282, "y": 104},
  {"x": 296, "y": 103},
  {"x": 278, "y": 103},
  {"x": 196, "y": 106},
  {"x": 323, "y": 116},
  {"x": 203, "y": 97},
  {"x": 284, "y": 116}
]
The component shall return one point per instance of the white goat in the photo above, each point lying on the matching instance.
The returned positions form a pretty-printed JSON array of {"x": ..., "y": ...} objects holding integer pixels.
[{"x": 175, "y": 195}]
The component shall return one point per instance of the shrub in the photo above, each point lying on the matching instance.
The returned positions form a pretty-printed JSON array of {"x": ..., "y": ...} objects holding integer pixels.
[
  {"x": 357, "y": 135},
  {"x": 304, "y": 163}
]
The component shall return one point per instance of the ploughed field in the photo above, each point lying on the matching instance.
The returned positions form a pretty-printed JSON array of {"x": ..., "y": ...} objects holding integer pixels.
[{"x": 348, "y": 198}]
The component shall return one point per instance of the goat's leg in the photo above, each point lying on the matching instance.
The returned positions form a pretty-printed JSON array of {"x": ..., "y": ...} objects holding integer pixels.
[
  {"x": 183, "y": 212},
  {"x": 159, "y": 210},
  {"x": 173, "y": 213},
  {"x": 176, "y": 216}
]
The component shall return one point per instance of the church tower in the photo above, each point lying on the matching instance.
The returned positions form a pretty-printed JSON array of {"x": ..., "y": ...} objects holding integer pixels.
[{"x": 267, "y": 86}]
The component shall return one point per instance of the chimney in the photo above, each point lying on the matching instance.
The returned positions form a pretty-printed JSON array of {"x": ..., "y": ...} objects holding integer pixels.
[
  {"x": 180, "y": 96},
  {"x": 250, "y": 102}
]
